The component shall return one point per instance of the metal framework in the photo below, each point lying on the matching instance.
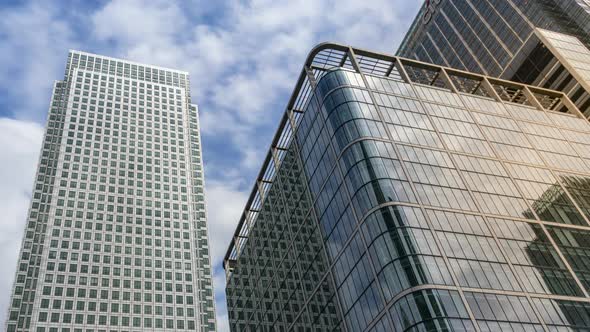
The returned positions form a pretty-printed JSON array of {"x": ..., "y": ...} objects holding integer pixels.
[{"x": 327, "y": 56}]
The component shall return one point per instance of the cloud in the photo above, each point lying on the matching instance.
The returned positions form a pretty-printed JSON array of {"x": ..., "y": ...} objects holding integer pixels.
[
  {"x": 225, "y": 204},
  {"x": 20, "y": 143},
  {"x": 34, "y": 42},
  {"x": 224, "y": 207},
  {"x": 159, "y": 21}
]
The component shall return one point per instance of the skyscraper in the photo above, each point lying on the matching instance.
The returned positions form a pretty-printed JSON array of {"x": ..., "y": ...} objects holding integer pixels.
[
  {"x": 399, "y": 195},
  {"x": 539, "y": 42},
  {"x": 116, "y": 236}
]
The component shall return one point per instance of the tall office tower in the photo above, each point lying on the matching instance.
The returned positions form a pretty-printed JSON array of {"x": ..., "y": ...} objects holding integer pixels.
[
  {"x": 403, "y": 196},
  {"x": 116, "y": 236},
  {"x": 539, "y": 42}
]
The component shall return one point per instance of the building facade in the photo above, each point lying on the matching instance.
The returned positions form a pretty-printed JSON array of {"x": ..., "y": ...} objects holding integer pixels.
[
  {"x": 116, "y": 235},
  {"x": 404, "y": 196},
  {"x": 539, "y": 42}
]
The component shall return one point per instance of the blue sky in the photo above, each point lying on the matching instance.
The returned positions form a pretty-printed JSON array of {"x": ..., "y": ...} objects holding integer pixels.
[{"x": 243, "y": 58}]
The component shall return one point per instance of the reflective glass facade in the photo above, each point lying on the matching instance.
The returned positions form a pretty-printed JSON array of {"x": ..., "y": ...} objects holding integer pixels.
[
  {"x": 500, "y": 38},
  {"x": 116, "y": 236},
  {"x": 397, "y": 197}
]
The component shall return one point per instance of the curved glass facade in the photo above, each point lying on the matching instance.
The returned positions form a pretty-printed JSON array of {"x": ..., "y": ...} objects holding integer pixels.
[{"x": 405, "y": 207}]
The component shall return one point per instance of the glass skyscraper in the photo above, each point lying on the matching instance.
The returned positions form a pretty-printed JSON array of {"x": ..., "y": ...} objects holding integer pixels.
[
  {"x": 116, "y": 237},
  {"x": 399, "y": 195},
  {"x": 539, "y": 42}
]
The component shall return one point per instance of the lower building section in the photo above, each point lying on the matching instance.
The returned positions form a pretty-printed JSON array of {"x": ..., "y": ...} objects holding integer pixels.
[{"x": 416, "y": 198}]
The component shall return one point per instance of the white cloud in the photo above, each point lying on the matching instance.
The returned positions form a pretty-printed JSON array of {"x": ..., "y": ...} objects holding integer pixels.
[
  {"x": 224, "y": 207},
  {"x": 20, "y": 143},
  {"x": 132, "y": 21},
  {"x": 225, "y": 204},
  {"x": 34, "y": 44}
]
